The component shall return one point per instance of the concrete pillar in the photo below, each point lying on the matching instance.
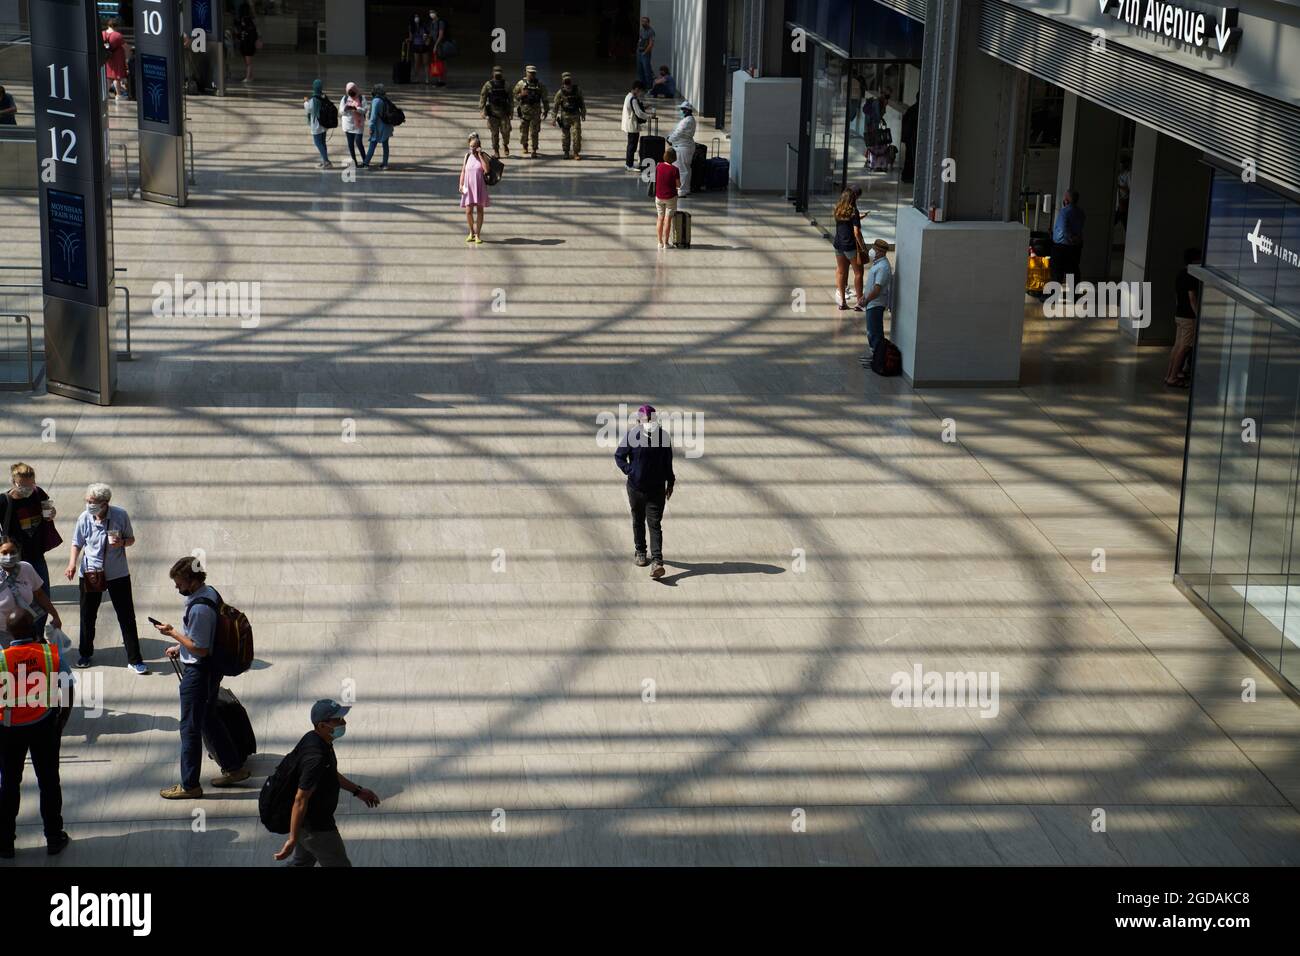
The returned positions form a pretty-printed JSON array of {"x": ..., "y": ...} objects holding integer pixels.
[
  {"x": 1090, "y": 162},
  {"x": 345, "y": 28},
  {"x": 958, "y": 309},
  {"x": 1168, "y": 197}
]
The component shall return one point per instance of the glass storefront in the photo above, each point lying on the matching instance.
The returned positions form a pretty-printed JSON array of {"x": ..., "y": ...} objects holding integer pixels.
[
  {"x": 859, "y": 54},
  {"x": 1239, "y": 531}
]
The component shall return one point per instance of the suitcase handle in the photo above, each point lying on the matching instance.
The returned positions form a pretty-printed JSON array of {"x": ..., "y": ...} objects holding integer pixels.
[
  {"x": 716, "y": 143},
  {"x": 176, "y": 666}
]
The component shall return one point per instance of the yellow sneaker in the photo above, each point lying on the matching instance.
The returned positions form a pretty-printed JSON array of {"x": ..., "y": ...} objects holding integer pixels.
[{"x": 470, "y": 237}]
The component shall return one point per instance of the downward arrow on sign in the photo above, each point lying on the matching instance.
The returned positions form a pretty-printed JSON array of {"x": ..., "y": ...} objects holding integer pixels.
[{"x": 1222, "y": 31}]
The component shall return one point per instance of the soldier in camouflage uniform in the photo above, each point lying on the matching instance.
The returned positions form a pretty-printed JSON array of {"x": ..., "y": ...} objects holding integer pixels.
[
  {"x": 494, "y": 104},
  {"x": 570, "y": 110},
  {"x": 531, "y": 107}
]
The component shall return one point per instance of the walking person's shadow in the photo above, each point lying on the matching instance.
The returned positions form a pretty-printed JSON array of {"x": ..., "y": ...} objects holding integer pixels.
[{"x": 689, "y": 570}]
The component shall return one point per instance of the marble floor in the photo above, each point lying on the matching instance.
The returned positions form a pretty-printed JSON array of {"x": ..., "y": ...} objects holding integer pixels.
[{"x": 396, "y": 468}]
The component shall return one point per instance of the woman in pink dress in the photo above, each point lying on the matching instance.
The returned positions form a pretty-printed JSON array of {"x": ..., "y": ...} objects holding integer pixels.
[
  {"x": 473, "y": 188},
  {"x": 115, "y": 44}
]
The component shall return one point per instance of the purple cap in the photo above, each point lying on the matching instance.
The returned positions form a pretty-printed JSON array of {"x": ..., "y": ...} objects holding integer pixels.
[{"x": 645, "y": 411}]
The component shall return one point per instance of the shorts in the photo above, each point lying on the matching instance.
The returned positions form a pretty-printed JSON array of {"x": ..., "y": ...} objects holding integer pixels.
[
  {"x": 665, "y": 207},
  {"x": 851, "y": 256},
  {"x": 1186, "y": 336}
]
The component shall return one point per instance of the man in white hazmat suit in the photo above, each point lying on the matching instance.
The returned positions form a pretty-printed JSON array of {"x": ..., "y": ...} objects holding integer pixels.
[{"x": 682, "y": 139}]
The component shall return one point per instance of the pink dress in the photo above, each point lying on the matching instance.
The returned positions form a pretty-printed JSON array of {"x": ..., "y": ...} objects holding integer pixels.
[{"x": 476, "y": 193}]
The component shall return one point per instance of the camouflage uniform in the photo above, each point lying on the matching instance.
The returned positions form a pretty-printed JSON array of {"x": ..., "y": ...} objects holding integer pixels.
[
  {"x": 497, "y": 109},
  {"x": 531, "y": 107},
  {"x": 570, "y": 110}
]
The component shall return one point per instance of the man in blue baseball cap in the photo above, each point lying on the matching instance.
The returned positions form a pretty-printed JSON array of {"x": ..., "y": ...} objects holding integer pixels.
[{"x": 313, "y": 834}]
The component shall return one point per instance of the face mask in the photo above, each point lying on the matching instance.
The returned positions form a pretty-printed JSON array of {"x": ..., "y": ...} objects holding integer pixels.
[
  {"x": 8, "y": 560},
  {"x": 337, "y": 732},
  {"x": 22, "y": 492},
  {"x": 871, "y": 254}
]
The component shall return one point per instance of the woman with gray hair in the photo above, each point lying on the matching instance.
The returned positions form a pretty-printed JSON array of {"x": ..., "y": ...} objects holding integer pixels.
[
  {"x": 473, "y": 188},
  {"x": 99, "y": 543}
]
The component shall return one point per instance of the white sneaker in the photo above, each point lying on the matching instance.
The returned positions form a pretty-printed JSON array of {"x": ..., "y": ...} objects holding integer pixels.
[
  {"x": 839, "y": 299},
  {"x": 630, "y": 169}
]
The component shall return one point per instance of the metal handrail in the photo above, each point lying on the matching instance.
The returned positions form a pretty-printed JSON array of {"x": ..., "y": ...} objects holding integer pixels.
[
  {"x": 785, "y": 191},
  {"x": 126, "y": 356},
  {"x": 31, "y": 381},
  {"x": 190, "y": 137},
  {"x": 126, "y": 166}
]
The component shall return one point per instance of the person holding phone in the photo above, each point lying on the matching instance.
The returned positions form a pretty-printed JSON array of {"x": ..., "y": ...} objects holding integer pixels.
[
  {"x": 200, "y": 682},
  {"x": 473, "y": 188}
]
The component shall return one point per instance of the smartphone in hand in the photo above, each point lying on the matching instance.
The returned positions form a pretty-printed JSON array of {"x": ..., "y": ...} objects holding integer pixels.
[{"x": 155, "y": 622}]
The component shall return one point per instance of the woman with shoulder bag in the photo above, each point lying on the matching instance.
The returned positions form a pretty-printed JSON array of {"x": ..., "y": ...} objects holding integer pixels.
[
  {"x": 473, "y": 188},
  {"x": 848, "y": 245},
  {"x": 99, "y": 544},
  {"x": 29, "y": 519}
]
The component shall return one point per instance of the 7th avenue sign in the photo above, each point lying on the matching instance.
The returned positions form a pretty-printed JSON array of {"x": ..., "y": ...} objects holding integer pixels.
[{"x": 1181, "y": 24}]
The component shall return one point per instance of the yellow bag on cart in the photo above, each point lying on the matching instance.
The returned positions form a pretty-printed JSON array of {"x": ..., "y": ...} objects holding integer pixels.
[{"x": 1039, "y": 273}]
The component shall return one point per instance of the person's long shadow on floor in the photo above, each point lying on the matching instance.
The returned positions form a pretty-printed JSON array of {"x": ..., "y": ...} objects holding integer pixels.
[{"x": 720, "y": 567}]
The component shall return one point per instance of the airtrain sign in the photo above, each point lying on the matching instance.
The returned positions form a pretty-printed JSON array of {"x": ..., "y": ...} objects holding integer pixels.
[{"x": 1180, "y": 24}]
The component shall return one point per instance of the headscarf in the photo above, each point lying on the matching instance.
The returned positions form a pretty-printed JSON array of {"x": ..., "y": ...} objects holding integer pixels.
[{"x": 317, "y": 87}]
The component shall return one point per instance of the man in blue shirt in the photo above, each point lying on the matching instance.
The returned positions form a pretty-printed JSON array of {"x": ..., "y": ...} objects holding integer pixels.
[
  {"x": 645, "y": 455},
  {"x": 200, "y": 682},
  {"x": 1067, "y": 237},
  {"x": 32, "y": 724}
]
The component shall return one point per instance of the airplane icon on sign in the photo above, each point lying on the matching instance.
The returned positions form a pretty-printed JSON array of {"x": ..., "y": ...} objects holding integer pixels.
[{"x": 1257, "y": 241}]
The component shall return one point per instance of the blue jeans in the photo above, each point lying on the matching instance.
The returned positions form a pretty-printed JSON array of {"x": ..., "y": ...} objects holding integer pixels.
[
  {"x": 199, "y": 686},
  {"x": 875, "y": 328},
  {"x": 644, "y": 71},
  {"x": 319, "y": 140},
  {"x": 371, "y": 151}
]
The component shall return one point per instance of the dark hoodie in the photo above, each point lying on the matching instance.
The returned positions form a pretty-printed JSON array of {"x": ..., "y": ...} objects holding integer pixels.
[{"x": 647, "y": 460}]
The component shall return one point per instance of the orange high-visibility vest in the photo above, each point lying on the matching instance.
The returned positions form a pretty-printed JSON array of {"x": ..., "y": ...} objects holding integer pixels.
[{"x": 24, "y": 662}]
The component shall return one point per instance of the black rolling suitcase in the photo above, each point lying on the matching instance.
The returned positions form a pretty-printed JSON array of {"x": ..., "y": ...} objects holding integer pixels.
[
  {"x": 699, "y": 167},
  {"x": 230, "y": 712},
  {"x": 653, "y": 145},
  {"x": 402, "y": 71},
  {"x": 681, "y": 232}
]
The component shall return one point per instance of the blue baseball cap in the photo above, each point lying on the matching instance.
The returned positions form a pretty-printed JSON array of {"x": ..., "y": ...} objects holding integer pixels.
[{"x": 327, "y": 710}]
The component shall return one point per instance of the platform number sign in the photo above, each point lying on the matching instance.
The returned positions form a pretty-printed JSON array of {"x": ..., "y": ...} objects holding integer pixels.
[
  {"x": 161, "y": 82},
  {"x": 63, "y": 140},
  {"x": 69, "y": 100}
]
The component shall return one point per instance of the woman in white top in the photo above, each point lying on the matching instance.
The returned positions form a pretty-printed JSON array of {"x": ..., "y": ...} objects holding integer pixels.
[
  {"x": 312, "y": 107},
  {"x": 352, "y": 111},
  {"x": 634, "y": 116},
  {"x": 21, "y": 589}
]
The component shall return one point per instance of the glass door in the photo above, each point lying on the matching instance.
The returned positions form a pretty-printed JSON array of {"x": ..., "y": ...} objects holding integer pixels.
[{"x": 828, "y": 126}]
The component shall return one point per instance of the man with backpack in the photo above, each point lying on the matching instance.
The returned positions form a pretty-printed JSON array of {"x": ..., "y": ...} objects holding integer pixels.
[
  {"x": 200, "y": 683},
  {"x": 570, "y": 110},
  {"x": 301, "y": 796},
  {"x": 531, "y": 107},
  {"x": 384, "y": 118},
  {"x": 494, "y": 104}
]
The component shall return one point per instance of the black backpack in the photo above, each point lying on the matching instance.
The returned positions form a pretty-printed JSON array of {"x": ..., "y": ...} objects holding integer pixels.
[
  {"x": 886, "y": 359},
  {"x": 328, "y": 114},
  {"x": 496, "y": 169},
  {"x": 275, "y": 802},
  {"x": 390, "y": 113}
]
